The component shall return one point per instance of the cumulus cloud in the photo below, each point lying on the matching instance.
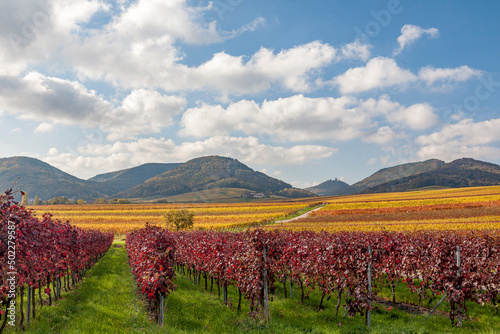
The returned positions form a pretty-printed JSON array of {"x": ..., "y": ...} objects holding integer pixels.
[
  {"x": 34, "y": 29},
  {"x": 355, "y": 50},
  {"x": 142, "y": 112},
  {"x": 418, "y": 116},
  {"x": 411, "y": 33},
  {"x": 383, "y": 135},
  {"x": 44, "y": 128},
  {"x": 44, "y": 98},
  {"x": 141, "y": 51},
  {"x": 155, "y": 64},
  {"x": 39, "y": 97},
  {"x": 379, "y": 72},
  {"x": 299, "y": 118},
  {"x": 430, "y": 75},
  {"x": 464, "y": 139},
  {"x": 382, "y": 72},
  {"x": 249, "y": 150}
]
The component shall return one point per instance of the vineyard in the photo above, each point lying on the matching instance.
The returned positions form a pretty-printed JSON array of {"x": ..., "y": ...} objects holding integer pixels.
[
  {"x": 453, "y": 209},
  {"x": 38, "y": 254},
  {"x": 429, "y": 252},
  {"x": 462, "y": 267},
  {"x": 128, "y": 217}
]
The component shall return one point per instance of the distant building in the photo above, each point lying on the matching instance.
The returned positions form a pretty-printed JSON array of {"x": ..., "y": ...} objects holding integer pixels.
[{"x": 253, "y": 195}]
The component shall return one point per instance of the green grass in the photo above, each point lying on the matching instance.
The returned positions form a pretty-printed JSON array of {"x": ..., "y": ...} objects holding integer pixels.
[{"x": 107, "y": 302}]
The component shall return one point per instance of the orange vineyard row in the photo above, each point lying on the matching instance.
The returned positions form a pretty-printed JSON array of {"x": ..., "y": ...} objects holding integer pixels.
[{"x": 450, "y": 209}]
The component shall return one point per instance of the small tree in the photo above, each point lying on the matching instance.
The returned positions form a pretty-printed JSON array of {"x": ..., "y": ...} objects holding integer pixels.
[
  {"x": 122, "y": 201},
  {"x": 179, "y": 219},
  {"x": 37, "y": 200},
  {"x": 100, "y": 201},
  {"x": 80, "y": 201}
]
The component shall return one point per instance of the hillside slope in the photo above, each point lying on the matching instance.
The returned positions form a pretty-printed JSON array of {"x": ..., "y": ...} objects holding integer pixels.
[
  {"x": 114, "y": 182},
  {"x": 457, "y": 174},
  {"x": 39, "y": 178},
  {"x": 205, "y": 173},
  {"x": 393, "y": 173},
  {"x": 329, "y": 188}
]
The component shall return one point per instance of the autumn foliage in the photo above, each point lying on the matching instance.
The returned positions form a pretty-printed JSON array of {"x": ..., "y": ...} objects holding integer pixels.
[
  {"x": 43, "y": 250},
  {"x": 333, "y": 263}
]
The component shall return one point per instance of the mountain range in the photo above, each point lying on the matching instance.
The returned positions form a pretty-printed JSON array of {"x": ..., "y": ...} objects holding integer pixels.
[
  {"x": 148, "y": 181},
  {"x": 158, "y": 181},
  {"x": 460, "y": 173},
  {"x": 456, "y": 174}
]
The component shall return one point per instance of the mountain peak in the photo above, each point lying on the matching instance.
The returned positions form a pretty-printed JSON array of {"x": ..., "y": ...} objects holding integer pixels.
[
  {"x": 206, "y": 173},
  {"x": 329, "y": 188}
]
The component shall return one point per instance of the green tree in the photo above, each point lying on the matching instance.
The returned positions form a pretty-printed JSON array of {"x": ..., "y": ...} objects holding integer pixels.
[
  {"x": 36, "y": 201},
  {"x": 80, "y": 201},
  {"x": 179, "y": 219}
]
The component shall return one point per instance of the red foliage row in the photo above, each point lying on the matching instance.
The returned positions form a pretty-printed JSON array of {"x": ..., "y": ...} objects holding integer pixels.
[
  {"x": 331, "y": 262},
  {"x": 150, "y": 251},
  {"x": 44, "y": 249}
]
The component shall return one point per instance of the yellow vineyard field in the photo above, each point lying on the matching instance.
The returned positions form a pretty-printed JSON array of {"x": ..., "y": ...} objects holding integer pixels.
[
  {"x": 475, "y": 208},
  {"x": 128, "y": 217},
  {"x": 449, "y": 209}
]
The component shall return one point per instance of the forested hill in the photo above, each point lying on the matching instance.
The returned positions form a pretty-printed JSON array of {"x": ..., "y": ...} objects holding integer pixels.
[
  {"x": 457, "y": 174},
  {"x": 206, "y": 173}
]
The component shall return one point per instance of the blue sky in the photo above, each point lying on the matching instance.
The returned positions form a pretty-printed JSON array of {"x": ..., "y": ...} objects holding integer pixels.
[{"x": 303, "y": 90}]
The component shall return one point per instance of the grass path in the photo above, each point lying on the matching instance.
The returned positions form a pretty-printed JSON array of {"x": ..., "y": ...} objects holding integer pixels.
[{"x": 106, "y": 302}]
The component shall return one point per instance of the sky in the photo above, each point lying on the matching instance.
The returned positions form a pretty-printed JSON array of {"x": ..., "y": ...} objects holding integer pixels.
[{"x": 304, "y": 91}]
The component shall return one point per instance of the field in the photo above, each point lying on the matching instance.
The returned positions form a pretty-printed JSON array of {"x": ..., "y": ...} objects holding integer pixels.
[
  {"x": 212, "y": 269},
  {"x": 128, "y": 217},
  {"x": 450, "y": 209}
]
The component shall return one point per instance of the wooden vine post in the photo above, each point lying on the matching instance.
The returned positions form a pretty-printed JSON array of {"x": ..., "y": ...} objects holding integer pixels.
[
  {"x": 459, "y": 286},
  {"x": 266, "y": 294},
  {"x": 29, "y": 305},
  {"x": 162, "y": 310},
  {"x": 369, "y": 312}
]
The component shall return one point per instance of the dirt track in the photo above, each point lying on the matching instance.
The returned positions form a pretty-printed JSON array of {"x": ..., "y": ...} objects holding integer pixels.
[{"x": 299, "y": 217}]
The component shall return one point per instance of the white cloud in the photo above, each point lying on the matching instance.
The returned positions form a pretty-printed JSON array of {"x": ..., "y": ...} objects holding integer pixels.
[
  {"x": 430, "y": 74},
  {"x": 35, "y": 29},
  {"x": 383, "y": 135},
  {"x": 418, "y": 116},
  {"x": 141, "y": 51},
  {"x": 355, "y": 50},
  {"x": 44, "y": 128},
  {"x": 384, "y": 72},
  {"x": 249, "y": 150},
  {"x": 463, "y": 139},
  {"x": 299, "y": 118},
  {"x": 378, "y": 73},
  {"x": 43, "y": 98},
  {"x": 410, "y": 33},
  {"x": 126, "y": 66},
  {"x": 142, "y": 112}
]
